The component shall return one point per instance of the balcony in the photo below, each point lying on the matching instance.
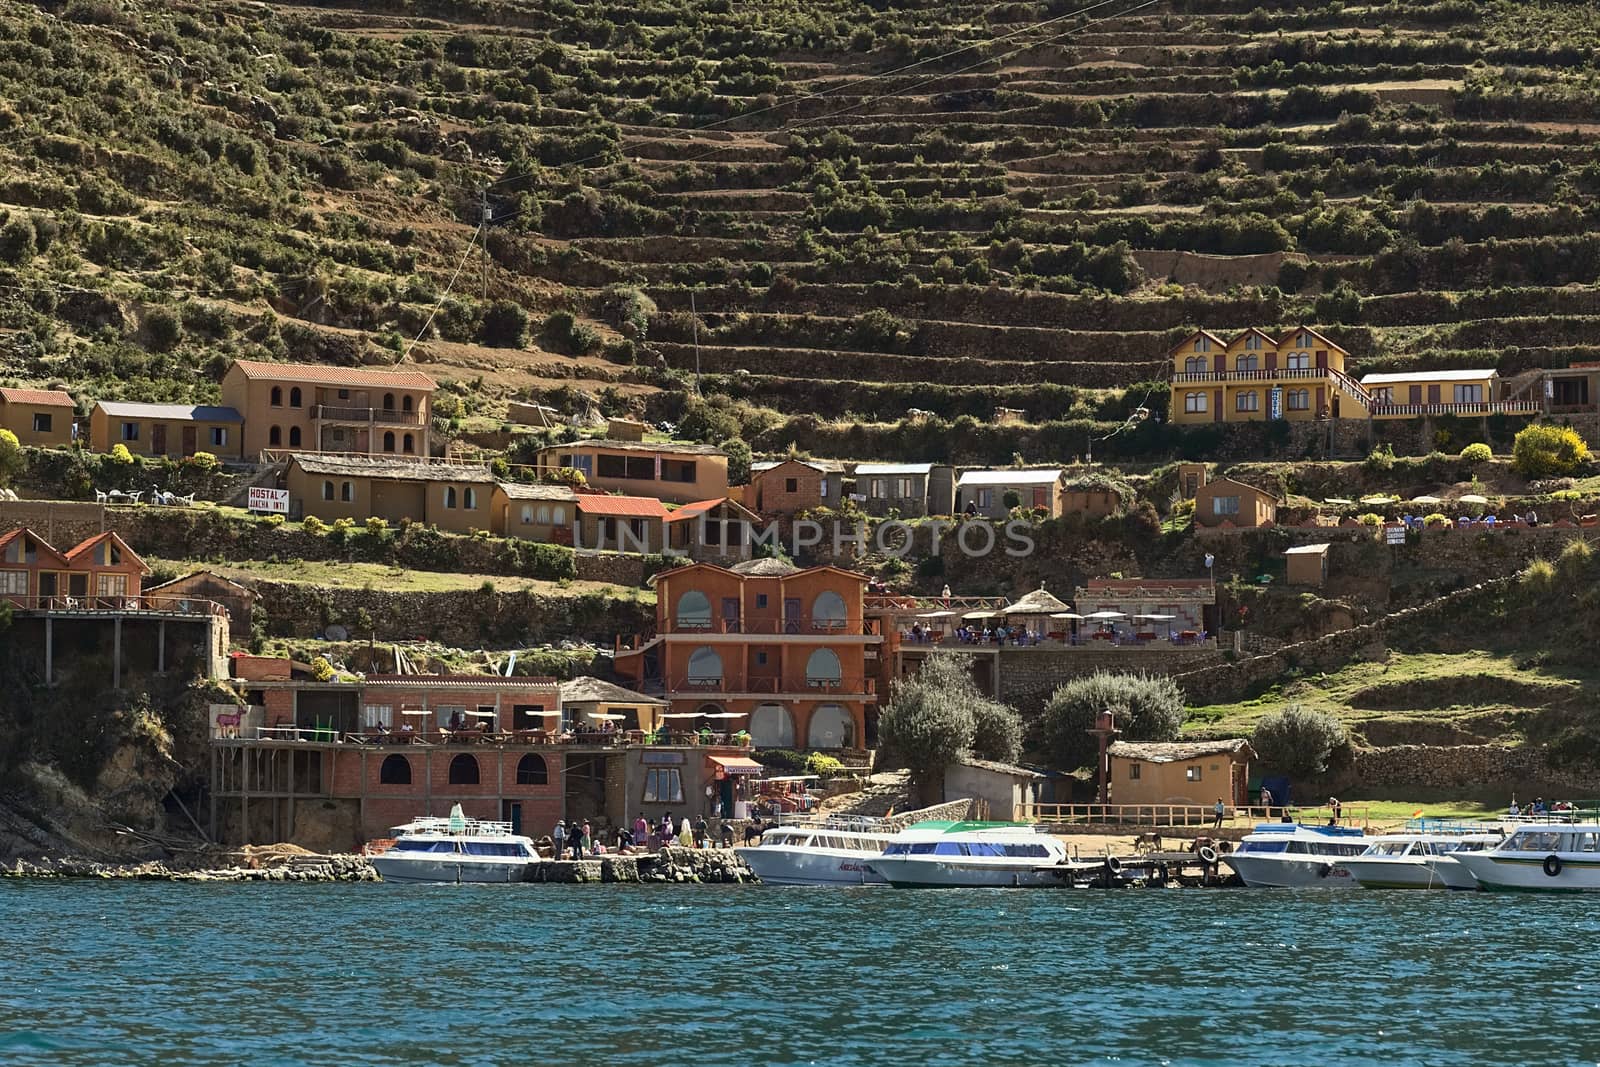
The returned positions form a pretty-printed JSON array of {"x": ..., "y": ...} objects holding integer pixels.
[
  {"x": 115, "y": 605},
  {"x": 383, "y": 416},
  {"x": 1276, "y": 374},
  {"x": 799, "y": 625},
  {"x": 1491, "y": 407},
  {"x": 796, "y": 687}
]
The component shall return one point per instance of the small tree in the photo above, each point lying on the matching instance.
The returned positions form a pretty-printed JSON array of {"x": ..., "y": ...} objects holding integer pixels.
[
  {"x": 739, "y": 457},
  {"x": 12, "y": 460},
  {"x": 164, "y": 328},
  {"x": 938, "y": 715},
  {"x": 1545, "y": 451},
  {"x": 1477, "y": 452},
  {"x": 1297, "y": 740},
  {"x": 1147, "y": 708},
  {"x": 505, "y": 325}
]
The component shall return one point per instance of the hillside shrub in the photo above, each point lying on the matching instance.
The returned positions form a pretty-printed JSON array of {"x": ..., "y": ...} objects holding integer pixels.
[
  {"x": 205, "y": 462},
  {"x": 938, "y": 715},
  {"x": 1298, "y": 741},
  {"x": 1539, "y": 575},
  {"x": 1147, "y": 708},
  {"x": 505, "y": 325},
  {"x": 12, "y": 460},
  {"x": 1477, "y": 452},
  {"x": 1436, "y": 519},
  {"x": 1543, "y": 451},
  {"x": 120, "y": 455},
  {"x": 1575, "y": 557},
  {"x": 314, "y": 525},
  {"x": 1370, "y": 518}
]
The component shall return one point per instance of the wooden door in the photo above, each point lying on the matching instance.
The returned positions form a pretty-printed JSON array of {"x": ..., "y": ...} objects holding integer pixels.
[
  {"x": 1216, "y": 414},
  {"x": 158, "y": 439},
  {"x": 1433, "y": 394},
  {"x": 189, "y": 438},
  {"x": 791, "y": 615}
]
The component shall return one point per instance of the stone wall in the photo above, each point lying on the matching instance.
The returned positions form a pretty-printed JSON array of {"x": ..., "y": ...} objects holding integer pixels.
[
  {"x": 1029, "y": 675},
  {"x": 62, "y": 523},
  {"x": 1523, "y": 771}
]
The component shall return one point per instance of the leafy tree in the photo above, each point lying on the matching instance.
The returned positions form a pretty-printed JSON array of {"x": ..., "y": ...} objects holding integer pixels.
[
  {"x": 17, "y": 242},
  {"x": 1147, "y": 708},
  {"x": 1543, "y": 451},
  {"x": 739, "y": 457},
  {"x": 164, "y": 328},
  {"x": 1477, "y": 452},
  {"x": 505, "y": 325},
  {"x": 12, "y": 460},
  {"x": 938, "y": 715},
  {"x": 707, "y": 422},
  {"x": 1297, "y": 740}
]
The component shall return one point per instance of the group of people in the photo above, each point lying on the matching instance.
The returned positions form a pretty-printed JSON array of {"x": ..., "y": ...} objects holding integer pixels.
[
  {"x": 1416, "y": 522},
  {"x": 576, "y": 837},
  {"x": 998, "y": 634},
  {"x": 1538, "y": 807}
]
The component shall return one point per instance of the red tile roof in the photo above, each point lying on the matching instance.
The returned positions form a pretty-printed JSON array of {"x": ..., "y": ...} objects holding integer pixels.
[
  {"x": 318, "y": 374},
  {"x": 54, "y": 398},
  {"x": 647, "y": 507},
  {"x": 87, "y": 543},
  {"x": 700, "y": 507}
]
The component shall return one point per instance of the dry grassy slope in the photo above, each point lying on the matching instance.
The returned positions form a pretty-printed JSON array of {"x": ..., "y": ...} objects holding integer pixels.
[{"x": 915, "y": 235}]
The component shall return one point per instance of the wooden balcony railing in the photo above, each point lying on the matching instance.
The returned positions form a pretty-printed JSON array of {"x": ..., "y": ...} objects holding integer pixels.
[{"x": 386, "y": 416}]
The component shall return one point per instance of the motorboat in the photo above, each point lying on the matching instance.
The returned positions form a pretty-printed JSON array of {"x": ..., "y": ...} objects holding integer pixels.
[
  {"x": 1418, "y": 860},
  {"x": 977, "y": 854},
  {"x": 826, "y": 851},
  {"x": 455, "y": 849},
  {"x": 1294, "y": 855},
  {"x": 1548, "y": 858}
]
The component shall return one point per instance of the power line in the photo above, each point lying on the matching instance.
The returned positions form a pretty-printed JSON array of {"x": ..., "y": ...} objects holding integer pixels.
[{"x": 465, "y": 253}]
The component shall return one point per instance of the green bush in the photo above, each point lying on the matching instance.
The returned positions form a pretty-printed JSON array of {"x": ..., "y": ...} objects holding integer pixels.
[
  {"x": 1539, "y": 575},
  {"x": 505, "y": 325},
  {"x": 13, "y": 461},
  {"x": 204, "y": 462},
  {"x": 1147, "y": 708},
  {"x": 1436, "y": 519},
  {"x": 314, "y": 525},
  {"x": 1477, "y": 452},
  {"x": 1575, "y": 557},
  {"x": 1298, "y": 741},
  {"x": 1370, "y": 519},
  {"x": 120, "y": 455},
  {"x": 938, "y": 715},
  {"x": 377, "y": 525},
  {"x": 1544, "y": 450}
]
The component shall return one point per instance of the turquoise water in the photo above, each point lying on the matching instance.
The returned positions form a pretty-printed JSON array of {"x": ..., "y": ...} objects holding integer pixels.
[{"x": 120, "y": 973}]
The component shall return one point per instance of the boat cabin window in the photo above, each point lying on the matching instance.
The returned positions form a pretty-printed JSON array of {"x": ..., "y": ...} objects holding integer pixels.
[
  {"x": 1536, "y": 841},
  {"x": 1263, "y": 846},
  {"x": 416, "y": 845},
  {"x": 492, "y": 848}
]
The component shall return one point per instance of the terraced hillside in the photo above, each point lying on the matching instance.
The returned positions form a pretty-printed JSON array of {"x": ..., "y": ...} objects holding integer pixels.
[{"x": 836, "y": 211}]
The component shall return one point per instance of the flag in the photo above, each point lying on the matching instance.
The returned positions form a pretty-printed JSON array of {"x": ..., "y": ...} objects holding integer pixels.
[{"x": 1417, "y": 814}]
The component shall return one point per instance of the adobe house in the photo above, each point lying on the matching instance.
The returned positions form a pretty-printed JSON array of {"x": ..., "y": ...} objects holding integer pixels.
[
  {"x": 620, "y": 523},
  {"x": 985, "y": 492},
  {"x": 171, "y": 430},
  {"x": 41, "y": 417},
  {"x": 789, "y": 486},
  {"x": 912, "y": 489},
  {"x": 238, "y": 600},
  {"x": 332, "y": 487},
  {"x": 674, "y": 471},
  {"x": 1003, "y": 790},
  {"x": 321, "y": 408},
  {"x": 1307, "y": 565},
  {"x": 1191, "y": 476},
  {"x": 1230, "y": 502},
  {"x": 712, "y": 529},
  {"x": 1092, "y": 496},
  {"x": 536, "y": 512},
  {"x": 1198, "y": 772}
]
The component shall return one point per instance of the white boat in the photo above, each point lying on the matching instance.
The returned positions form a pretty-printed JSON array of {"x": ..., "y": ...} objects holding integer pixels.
[
  {"x": 1548, "y": 858},
  {"x": 977, "y": 854},
  {"x": 827, "y": 851},
  {"x": 1418, "y": 860},
  {"x": 456, "y": 849},
  {"x": 1292, "y": 855}
]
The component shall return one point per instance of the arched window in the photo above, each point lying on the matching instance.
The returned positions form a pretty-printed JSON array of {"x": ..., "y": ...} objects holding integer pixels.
[
  {"x": 327, "y": 490},
  {"x": 823, "y": 667},
  {"x": 405, "y": 403},
  {"x": 388, "y": 401},
  {"x": 275, "y": 435},
  {"x": 449, "y": 496},
  {"x": 1249, "y": 400},
  {"x": 294, "y": 397},
  {"x": 408, "y": 445},
  {"x": 771, "y": 726},
  {"x": 827, "y": 611},
  {"x": 1246, "y": 362},
  {"x": 347, "y": 492},
  {"x": 396, "y": 770},
  {"x": 464, "y": 770},
  {"x": 277, "y": 396},
  {"x": 532, "y": 770},
  {"x": 294, "y": 437},
  {"x": 1194, "y": 365},
  {"x": 831, "y": 727},
  {"x": 694, "y": 611},
  {"x": 705, "y": 666},
  {"x": 469, "y": 498},
  {"x": 388, "y": 440}
]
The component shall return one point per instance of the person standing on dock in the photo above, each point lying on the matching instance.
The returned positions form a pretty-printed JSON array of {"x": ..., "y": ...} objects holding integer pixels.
[
  {"x": 666, "y": 829},
  {"x": 1218, "y": 810},
  {"x": 559, "y": 836},
  {"x": 1266, "y": 800},
  {"x": 641, "y": 832},
  {"x": 701, "y": 835}
]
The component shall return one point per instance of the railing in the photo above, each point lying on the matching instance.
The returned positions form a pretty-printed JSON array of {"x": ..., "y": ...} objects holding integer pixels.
[
  {"x": 282, "y": 455},
  {"x": 387, "y": 416},
  {"x": 686, "y": 684},
  {"x": 792, "y": 626},
  {"x": 1490, "y": 407},
  {"x": 425, "y": 738},
  {"x": 118, "y": 605},
  {"x": 1277, "y": 373},
  {"x": 1182, "y": 814}
]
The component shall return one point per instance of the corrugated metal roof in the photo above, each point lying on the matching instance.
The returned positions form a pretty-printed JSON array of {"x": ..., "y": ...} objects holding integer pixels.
[
  {"x": 894, "y": 468},
  {"x": 54, "y": 398},
  {"x": 318, "y": 374},
  {"x": 1045, "y": 477},
  {"x": 456, "y": 681},
  {"x": 1431, "y": 376},
  {"x": 685, "y": 448},
  {"x": 119, "y": 409}
]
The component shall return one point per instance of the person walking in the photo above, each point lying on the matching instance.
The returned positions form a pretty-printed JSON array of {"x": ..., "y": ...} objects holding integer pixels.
[
  {"x": 1266, "y": 800},
  {"x": 559, "y": 836},
  {"x": 701, "y": 834},
  {"x": 575, "y": 838},
  {"x": 1217, "y": 810},
  {"x": 641, "y": 831}
]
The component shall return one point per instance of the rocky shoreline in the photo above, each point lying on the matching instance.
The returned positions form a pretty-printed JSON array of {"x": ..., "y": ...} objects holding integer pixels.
[{"x": 672, "y": 865}]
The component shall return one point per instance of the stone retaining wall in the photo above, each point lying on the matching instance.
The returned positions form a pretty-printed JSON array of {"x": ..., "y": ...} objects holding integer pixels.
[
  {"x": 1029, "y": 675},
  {"x": 1523, "y": 770}
]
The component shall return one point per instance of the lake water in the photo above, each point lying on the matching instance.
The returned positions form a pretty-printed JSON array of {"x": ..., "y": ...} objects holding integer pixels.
[{"x": 125, "y": 972}]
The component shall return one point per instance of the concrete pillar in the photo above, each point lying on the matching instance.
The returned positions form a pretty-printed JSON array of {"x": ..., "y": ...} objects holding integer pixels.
[
  {"x": 161, "y": 647},
  {"x": 116, "y": 653},
  {"x": 49, "y": 650}
]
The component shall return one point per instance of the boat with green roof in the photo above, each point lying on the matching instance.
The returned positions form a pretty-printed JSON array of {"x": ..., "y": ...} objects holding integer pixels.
[{"x": 945, "y": 854}]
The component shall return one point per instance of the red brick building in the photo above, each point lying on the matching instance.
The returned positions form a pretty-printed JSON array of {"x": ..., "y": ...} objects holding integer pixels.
[{"x": 100, "y": 570}]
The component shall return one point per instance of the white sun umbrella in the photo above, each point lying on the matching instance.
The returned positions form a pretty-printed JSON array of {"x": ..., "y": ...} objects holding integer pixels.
[
  {"x": 1426, "y": 500},
  {"x": 1106, "y": 615},
  {"x": 1066, "y": 615},
  {"x": 726, "y": 715},
  {"x": 1157, "y": 618},
  {"x": 1337, "y": 500},
  {"x": 680, "y": 715},
  {"x": 483, "y": 714},
  {"x": 418, "y": 713},
  {"x": 984, "y": 614},
  {"x": 606, "y": 716},
  {"x": 1472, "y": 498},
  {"x": 1378, "y": 498},
  {"x": 937, "y": 615}
]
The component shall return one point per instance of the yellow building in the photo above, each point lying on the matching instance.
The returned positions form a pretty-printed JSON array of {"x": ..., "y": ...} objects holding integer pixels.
[
  {"x": 1198, "y": 773},
  {"x": 1299, "y": 376},
  {"x": 171, "y": 430},
  {"x": 1440, "y": 392},
  {"x": 677, "y": 471},
  {"x": 37, "y": 416}
]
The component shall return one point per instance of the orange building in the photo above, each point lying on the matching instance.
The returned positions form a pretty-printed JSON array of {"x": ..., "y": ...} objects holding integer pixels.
[
  {"x": 37, "y": 416},
  {"x": 102, "y": 568},
  {"x": 315, "y": 408},
  {"x": 783, "y": 648}
]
